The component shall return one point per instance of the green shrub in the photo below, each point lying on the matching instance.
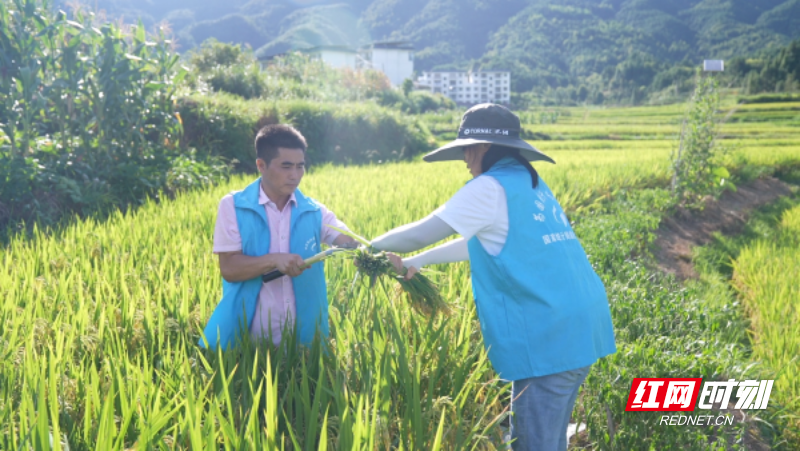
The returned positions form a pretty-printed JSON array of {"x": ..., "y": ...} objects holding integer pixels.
[
  {"x": 416, "y": 102},
  {"x": 213, "y": 53},
  {"x": 228, "y": 68},
  {"x": 86, "y": 113},
  {"x": 189, "y": 172},
  {"x": 244, "y": 81},
  {"x": 225, "y": 126},
  {"x": 425, "y": 102}
]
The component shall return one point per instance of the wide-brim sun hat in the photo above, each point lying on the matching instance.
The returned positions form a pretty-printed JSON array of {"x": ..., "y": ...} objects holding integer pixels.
[{"x": 487, "y": 123}]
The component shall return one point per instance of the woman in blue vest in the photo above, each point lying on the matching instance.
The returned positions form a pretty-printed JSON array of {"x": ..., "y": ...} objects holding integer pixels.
[{"x": 543, "y": 311}]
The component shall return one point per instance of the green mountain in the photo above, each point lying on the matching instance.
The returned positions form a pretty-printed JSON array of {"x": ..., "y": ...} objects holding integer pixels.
[
  {"x": 334, "y": 24},
  {"x": 544, "y": 43},
  {"x": 552, "y": 43},
  {"x": 445, "y": 32}
]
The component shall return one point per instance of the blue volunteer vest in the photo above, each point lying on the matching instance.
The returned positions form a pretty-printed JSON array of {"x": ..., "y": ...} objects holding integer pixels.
[
  {"x": 541, "y": 306},
  {"x": 239, "y": 299}
]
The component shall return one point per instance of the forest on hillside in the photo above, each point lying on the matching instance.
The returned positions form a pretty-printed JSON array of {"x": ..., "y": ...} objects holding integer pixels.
[{"x": 564, "y": 51}]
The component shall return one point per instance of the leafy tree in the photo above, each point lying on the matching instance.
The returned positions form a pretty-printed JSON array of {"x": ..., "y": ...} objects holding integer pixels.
[
  {"x": 771, "y": 72},
  {"x": 696, "y": 169}
]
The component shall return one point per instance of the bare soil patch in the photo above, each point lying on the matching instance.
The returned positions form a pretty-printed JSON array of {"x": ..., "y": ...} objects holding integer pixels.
[{"x": 678, "y": 234}]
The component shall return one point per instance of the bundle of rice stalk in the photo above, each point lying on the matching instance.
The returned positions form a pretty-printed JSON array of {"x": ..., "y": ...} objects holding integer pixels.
[{"x": 421, "y": 293}]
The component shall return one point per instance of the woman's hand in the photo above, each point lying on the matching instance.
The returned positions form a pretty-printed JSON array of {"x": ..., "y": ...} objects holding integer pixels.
[{"x": 398, "y": 266}]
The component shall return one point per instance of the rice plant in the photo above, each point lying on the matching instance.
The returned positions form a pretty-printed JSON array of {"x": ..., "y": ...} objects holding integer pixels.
[
  {"x": 765, "y": 273},
  {"x": 99, "y": 322}
]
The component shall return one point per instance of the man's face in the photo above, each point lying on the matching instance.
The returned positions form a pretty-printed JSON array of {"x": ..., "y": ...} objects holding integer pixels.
[{"x": 283, "y": 174}]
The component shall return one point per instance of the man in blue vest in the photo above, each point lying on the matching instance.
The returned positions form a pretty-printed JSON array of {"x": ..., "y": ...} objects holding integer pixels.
[
  {"x": 543, "y": 311},
  {"x": 267, "y": 226}
]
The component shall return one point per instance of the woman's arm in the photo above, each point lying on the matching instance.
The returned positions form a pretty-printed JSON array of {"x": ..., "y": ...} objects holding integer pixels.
[
  {"x": 450, "y": 252},
  {"x": 454, "y": 251},
  {"x": 414, "y": 236},
  {"x": 417, "y": 235}
]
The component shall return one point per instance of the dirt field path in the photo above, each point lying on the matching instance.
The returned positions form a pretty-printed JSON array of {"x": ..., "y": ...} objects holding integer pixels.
[{"x": 678, "y": 234}]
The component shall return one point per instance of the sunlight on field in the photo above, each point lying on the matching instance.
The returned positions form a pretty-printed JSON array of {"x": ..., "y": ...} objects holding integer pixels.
[
  {"x": 766, "y": 274},
  {"x": 99, "y": 321}
]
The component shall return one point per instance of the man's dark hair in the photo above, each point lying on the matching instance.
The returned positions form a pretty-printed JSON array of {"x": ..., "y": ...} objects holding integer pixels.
[
  {"x": 497, "y": 152},
  {"x": 271, "y": 137}
]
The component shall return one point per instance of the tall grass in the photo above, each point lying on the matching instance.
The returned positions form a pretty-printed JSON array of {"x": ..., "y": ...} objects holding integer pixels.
[
  {"x": 114, "y": 311},
  {"x": 766, "y": 275},
  {"x": 98, "y": 325}
]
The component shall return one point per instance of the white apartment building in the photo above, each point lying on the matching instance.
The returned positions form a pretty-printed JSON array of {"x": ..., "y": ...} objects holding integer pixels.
[
  {"x": 469, "y": 88},
  {"x": 395, "y": 59}
]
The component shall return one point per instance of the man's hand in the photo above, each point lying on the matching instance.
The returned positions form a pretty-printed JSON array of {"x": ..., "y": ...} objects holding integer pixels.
[
  {"x": 236, "y": 267},
  {"x": 289, "y": 264},
  {"x": 398, "y": 266}
]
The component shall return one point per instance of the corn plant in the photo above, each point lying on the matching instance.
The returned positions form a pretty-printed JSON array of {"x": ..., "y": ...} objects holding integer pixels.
[{"x": 86, "y": 111}]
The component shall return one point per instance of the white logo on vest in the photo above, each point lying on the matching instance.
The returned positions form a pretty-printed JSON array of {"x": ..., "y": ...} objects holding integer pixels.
[
  {"x": 311, "y": 242},
  {"x": 549, "y": 238},
  {"x": 541, "y": 196}
]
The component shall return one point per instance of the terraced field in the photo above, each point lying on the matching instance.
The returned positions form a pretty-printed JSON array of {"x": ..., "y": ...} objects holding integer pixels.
[{"x": 98, "y": 322}]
